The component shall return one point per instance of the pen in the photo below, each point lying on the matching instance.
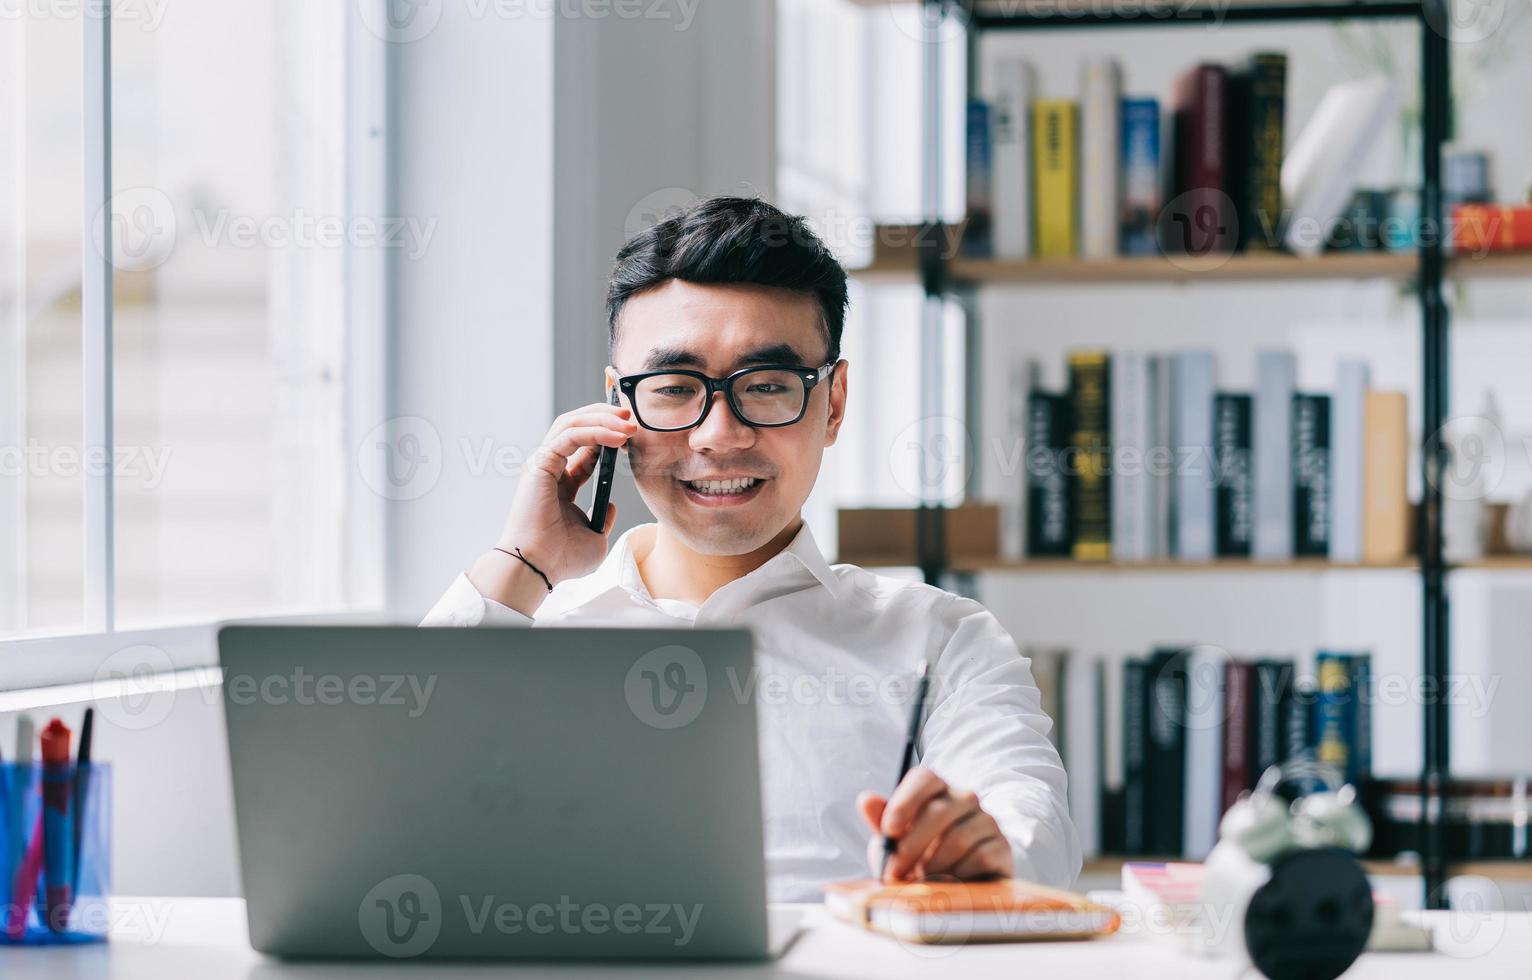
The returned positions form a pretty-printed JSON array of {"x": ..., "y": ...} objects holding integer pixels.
[
  {"x": 81, "y": 789},
  {"x": 58, "y": 829},
  {"x": 922, "y": 686},
  {"x": 21, "y": 783},
  {"x": 24, "y": 890}
]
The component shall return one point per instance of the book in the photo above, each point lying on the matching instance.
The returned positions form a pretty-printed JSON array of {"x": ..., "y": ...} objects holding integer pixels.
[
  {"x": 1141, "y": 176},
  {"x": 1321, "y": 169},
  {"x": 1055, "y": 190},
  {"x": 1346, "y": 453},
  {"x": 979, "y": 187},
  {"x": 1013, "y": 508},
  {"x": 1047, "y": 664},
  {"x": 1090, "y": 484},
  {"x": 1192, "y": 503},
  {"x": 1050, "y": 530},
  {"x": 1231, "y": 453},
  {"x": 1297, "y": 710},
  {"x": 1334, "y": 711},
  {"x": 1311, "y": 475},
  {"x": 1257, "y": 107},
  {"x": 1135, "y": 756},
  {"x": 1271, "y": 698},
  {"x": 1161, "y": 463},
  {"x": 1199, "y": 218},
  {"x": 1361, "y": 731},
  {"x": 1202, "y": 789},
  {"x": 1275, "y": 375},
  {"x": 1361, "y": 223},
  {"x": 1113, "y": 719},
  {"x": 1170, "y": 895},
  {"x": 1238, "y": 730},
  {"x": 1100, "y": 176},
  {"x": 1385, "y": 457},
  {"x": 1081, "y": 751},
  {"x": 1165, "y": 762},
  {"x": 1008, "y": 86},
  {"x": 964, "y": 912},
  {"x": 1480, "y": 228},
  {"x": 1131, "y": 397}
]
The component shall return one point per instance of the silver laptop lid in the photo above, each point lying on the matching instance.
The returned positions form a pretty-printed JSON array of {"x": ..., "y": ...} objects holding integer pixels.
[{"x": 554, "y": 792}]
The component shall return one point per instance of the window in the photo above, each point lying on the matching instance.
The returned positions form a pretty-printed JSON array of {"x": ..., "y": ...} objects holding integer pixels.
[
  {"x": 182, "y": 368},
  {"x": 848, "y": 157}
]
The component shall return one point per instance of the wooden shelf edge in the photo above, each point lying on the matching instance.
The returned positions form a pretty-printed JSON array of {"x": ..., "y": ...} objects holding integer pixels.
[
  {"x": 1067, "y": 566},
  {"x": 1506, "y": 870},
  {"x": 1245, "y": 267}
]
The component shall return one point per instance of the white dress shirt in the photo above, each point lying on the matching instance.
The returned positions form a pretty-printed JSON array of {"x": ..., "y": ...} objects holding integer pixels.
[{"x": 836, "y": 649}]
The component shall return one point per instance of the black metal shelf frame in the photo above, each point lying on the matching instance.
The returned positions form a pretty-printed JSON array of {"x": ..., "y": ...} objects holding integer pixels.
[{"x": 1435, "y": 82}]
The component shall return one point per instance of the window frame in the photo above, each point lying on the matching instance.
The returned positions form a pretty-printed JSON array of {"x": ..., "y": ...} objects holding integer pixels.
[{"x": 74, "y": 656}]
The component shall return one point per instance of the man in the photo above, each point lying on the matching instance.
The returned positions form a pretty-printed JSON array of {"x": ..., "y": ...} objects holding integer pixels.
[{"x": 724, "y": 339}]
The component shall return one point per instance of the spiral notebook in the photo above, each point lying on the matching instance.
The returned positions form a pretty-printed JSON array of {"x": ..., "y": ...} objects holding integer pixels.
[{"x": 960, "y": 912}]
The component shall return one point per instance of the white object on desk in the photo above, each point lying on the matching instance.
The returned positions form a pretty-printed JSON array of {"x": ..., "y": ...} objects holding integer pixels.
[{"x": 204, "y": 939}]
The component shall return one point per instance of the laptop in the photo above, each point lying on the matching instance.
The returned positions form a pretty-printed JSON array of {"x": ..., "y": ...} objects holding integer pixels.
[{"x": 563, "y": 793}]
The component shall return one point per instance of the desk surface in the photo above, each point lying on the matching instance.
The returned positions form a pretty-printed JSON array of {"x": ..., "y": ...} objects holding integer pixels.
[{"x": 205, "y": 939}]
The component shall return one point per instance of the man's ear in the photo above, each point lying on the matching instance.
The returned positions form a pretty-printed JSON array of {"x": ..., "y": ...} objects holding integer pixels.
[{"x": 837, "y": 402}]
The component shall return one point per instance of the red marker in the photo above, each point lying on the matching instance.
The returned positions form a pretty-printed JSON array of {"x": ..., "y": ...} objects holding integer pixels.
[{"x": 58, "y": 826}]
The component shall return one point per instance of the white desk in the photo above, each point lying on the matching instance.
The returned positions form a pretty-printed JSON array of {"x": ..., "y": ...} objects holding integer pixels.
[{"x": 205, "y": 939}]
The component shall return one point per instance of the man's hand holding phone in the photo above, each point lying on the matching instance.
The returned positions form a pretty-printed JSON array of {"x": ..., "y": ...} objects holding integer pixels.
[{"x": 545, "y": 523}]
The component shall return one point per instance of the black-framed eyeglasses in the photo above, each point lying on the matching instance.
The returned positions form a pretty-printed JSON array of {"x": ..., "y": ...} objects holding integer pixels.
[{"x": 765, "y": 397}]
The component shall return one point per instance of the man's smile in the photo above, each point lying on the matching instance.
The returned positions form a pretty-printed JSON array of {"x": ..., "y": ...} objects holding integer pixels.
[{"x": 726, "y": 492}]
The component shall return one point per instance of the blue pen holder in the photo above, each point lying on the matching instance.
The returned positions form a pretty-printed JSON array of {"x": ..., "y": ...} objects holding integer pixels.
[{"x": 70, "y": 848}]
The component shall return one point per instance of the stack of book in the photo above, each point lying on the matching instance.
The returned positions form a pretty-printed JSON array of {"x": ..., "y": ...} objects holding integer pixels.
[
  {"x": 1057, "y": 178},
  {"x": 1159, "y": 747},
  {"x": 1107, "y": 175},
  {"x": 1143, "y": 457}
]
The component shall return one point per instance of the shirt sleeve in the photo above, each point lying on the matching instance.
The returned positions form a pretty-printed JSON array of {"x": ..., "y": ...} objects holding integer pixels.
[
  {"x": 986, "y": 732},
  {"x": 462, "y": 605}
]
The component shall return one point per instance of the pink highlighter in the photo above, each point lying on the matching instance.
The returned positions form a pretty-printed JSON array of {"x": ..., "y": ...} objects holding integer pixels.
[{"x": 24, "y": 890}]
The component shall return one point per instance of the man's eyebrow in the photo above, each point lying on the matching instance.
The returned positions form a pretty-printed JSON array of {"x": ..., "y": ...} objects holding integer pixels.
[
  {"x": 774, "y": 354},
  {"x": 662, "y": 358}
]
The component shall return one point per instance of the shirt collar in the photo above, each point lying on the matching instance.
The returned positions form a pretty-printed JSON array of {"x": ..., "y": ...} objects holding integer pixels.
[{"x": 619, "y": 570}]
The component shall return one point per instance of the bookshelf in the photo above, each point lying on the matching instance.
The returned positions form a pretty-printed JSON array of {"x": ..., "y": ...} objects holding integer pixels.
[
  {"x": 1276, "y": 267},
  {"x": 1423, "y": 272}
]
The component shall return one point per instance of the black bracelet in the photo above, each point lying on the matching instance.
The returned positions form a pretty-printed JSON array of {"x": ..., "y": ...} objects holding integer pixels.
[{"x": 517, "y": 554}]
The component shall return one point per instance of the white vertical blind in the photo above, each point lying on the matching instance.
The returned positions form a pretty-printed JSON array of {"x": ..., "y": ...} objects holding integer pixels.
[{"x": 96, "y": 321}]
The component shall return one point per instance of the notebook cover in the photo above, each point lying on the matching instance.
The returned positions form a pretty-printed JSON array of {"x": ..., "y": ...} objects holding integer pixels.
[{"x": 856, "y": 902}]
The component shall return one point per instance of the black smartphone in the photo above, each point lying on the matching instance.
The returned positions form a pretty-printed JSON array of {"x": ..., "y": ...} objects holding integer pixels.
[{"x": 606, "y": 467}]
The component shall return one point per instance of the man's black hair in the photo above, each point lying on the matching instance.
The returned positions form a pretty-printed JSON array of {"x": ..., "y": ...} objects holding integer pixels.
[{"x": 731, "y": 240}]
